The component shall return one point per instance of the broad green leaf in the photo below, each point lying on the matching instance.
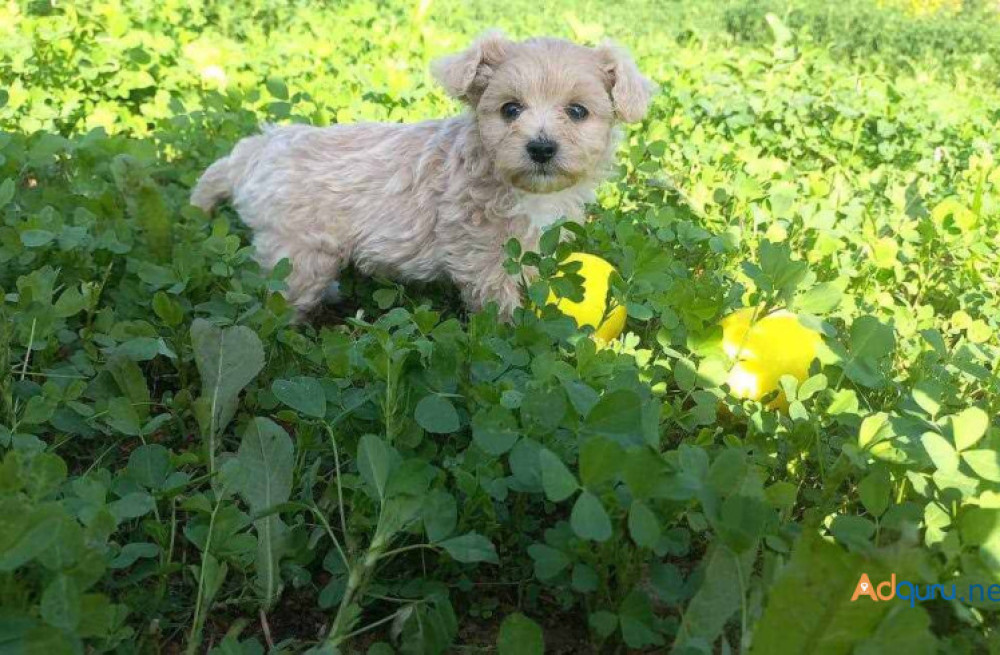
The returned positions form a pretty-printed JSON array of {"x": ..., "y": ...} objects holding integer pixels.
[
  {"x": 440, "y": 513},
  {"x": 808, "y": 607},
  {"x": 304, "y": 394},
  {"x": 600, "y": 461},
  {"x": 557, "y": 481},
  {"x": 985, "y": 463},
  {"x": 61, "y": 603},
  {"x": 131, "y": 552},
  {"x": 437, "y": 415},
  {"x": 968, "y": 427},
  {"x": 266, "y": 455},
  {"x": 742, "y": 521},
  {"x": 904, "y": 630},
  {"x": 855, "y": 532},
  {"x": 603, "y": 623},
  {"x": 589, "y": 519},
  {"x": 46, "y": 472},
  {"x": 643, "y": 525},
  {"x": 870, "y": 343},
  {"x": 374, "y": 463},
  {"x": 26, "y": 532},
  {"x": 637, "y": 621},
  {"x": 941, "y": 452},
  {"x": 519, "y": 635},
  {"x": 471, "y": 548},
  {"x": 132, "y": 506},
  {"x": 149, "y": 465},
  {"x": 874, "y": 491},
  {"x": 718, "y": 597},
  {"x": 549, "y": 561},
  {"x": 618, "y": 416},
  {"x": 228, "y": 360},
  {"x": 494, "y": 430},
  {"x": 874, "y": 429},
  {"x": 980, "y": 525}
]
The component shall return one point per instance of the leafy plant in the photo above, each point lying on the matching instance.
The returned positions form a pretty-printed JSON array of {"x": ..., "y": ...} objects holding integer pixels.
[{"x": 185, "y": 469}]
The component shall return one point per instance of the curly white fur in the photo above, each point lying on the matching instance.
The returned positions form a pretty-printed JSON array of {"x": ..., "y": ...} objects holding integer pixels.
[{"x": 442, "y": 197}]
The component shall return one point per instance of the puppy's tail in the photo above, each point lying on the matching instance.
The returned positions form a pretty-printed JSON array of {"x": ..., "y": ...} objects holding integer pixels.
[{"x": 214, "y": 186}]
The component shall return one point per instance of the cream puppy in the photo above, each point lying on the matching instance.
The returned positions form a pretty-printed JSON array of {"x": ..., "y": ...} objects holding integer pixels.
[{"x": 441, "y": 197}]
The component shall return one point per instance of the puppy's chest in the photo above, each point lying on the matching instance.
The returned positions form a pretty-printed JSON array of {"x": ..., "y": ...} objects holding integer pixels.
[{"x": 543, "y": 209}]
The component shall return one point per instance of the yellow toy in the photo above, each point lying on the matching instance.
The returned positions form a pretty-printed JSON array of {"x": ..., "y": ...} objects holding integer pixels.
[
  {"x": 777, "y": 344},
  {"x": 593, "y": 309}
]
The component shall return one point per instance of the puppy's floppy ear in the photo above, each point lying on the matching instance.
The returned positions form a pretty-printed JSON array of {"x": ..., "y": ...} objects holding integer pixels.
[
  {"x": 630, "y": 90},
  {"x": 465, "y": 75}
]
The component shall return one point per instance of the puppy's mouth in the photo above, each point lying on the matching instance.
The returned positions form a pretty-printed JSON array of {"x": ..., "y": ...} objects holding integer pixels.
[{"x": 543, "y": 178}]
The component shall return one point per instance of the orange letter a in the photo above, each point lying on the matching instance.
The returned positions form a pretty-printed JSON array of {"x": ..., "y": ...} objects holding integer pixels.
[{"x": 864, "y": 588}]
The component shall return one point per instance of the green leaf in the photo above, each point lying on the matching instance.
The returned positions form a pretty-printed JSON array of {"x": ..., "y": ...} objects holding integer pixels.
[
  {"x": 742, "y": 521},
  {"x": 36, "y": 238},
  {"x": 819, "y": 300},
  {"x": 808, "y": 607},
  {"x": 46, "y": 472},
  {"x": 643, "y": 525},
  {"x": 600, "y": 461},
  {"x": 584, "y": 579},
  {"x": 277, "y": 88},
  {"x": 303, "y": 394},
  {"x": 267, "y": 457},
  {"x": 549, "y": 561},
  {"x": 618, "y": 416},
  {"x": 7, "y": 188},
  {"x": 168, "y": 310},
  {"x": 941, "y": 452},
  {"x": 60, "y": 604},
  {"x": 603, "y": 623},
  {"x": 131, "y": 552},
  {"x": 557, "y": 481},
  {"x": 873, "y": 429},
  {"x": 494, "y": 430},
  {"x": 903, "y": 630},
  {"x": 519, "y": 635},
  {"x": 718, "y": 597},
  {"x": 979, "y": 525},
  {"x": 589, "y": 520},
  {"x": 968, "y": 427},
  {"x": 25, "y": 532},
  {"x": 149, "y": 465},
  {"x": 870, "y": 343},
  {"x": 874, "y": 491},
  {"x": 470, "y": 548},
  {"x": 437, "y": 415},
  {"x": 266, "y": 454},
  {"x": 132, "y": 506},
  {"x": 985, "y": 463},
  {"x": 855, "y": 532},
  {"x": 123, "y": 417},
  {"x": 373, "y": 464},
  {"x": 440, "y": 515},
  {"x": 228, "y": 360},
  {"x": 635, "y": 616}
]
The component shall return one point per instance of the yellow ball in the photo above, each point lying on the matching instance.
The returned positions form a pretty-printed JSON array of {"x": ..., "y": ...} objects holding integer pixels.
[
  {"x": 777, "y": 344},
  {"x": 593, "y": 309}
]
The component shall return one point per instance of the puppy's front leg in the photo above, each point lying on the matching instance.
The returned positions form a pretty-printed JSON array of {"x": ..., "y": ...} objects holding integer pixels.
[{"x": 492, "y": 284}]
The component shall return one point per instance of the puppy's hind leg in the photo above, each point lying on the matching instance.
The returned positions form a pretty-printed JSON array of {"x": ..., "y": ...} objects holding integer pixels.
[{"x": 313, "y": 270}]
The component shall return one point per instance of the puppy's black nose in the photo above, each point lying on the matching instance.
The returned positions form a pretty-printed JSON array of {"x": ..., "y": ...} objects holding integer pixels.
[{"x": 541, "y": 150}]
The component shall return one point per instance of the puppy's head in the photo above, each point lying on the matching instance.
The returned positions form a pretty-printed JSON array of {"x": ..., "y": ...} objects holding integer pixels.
[{"x": 546, "y": 108}]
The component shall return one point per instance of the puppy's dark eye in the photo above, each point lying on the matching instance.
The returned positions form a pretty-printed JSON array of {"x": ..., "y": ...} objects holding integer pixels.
[
  {"x": 577, "y": 112},
  {"x": 511, "y": 110}
]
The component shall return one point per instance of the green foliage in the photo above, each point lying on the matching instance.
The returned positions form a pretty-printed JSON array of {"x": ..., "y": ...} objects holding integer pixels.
[{"x": 182, "y": 468}]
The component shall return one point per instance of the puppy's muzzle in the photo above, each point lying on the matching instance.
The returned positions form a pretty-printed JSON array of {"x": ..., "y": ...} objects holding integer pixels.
[{"x": 541, "y": 150}]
